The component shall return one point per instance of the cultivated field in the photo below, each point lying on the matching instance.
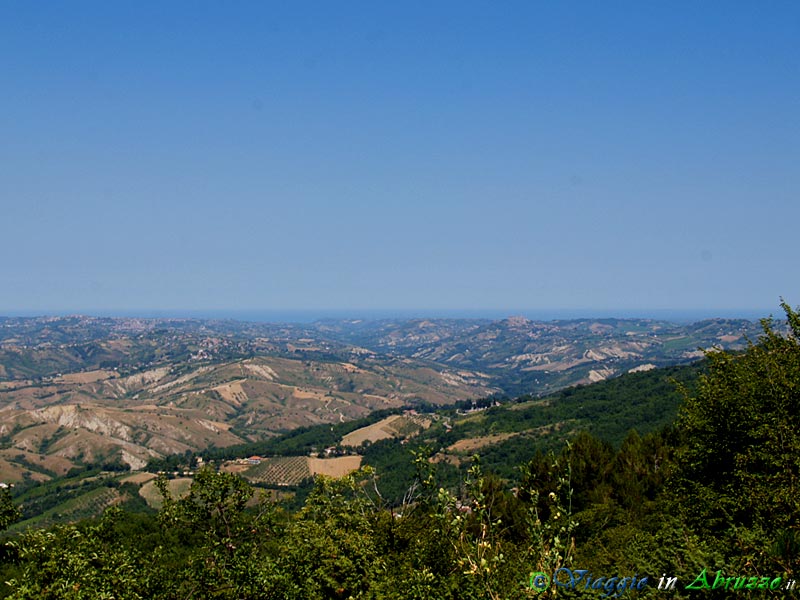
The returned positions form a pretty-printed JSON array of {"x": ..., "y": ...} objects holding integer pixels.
[
  {"x": 90, "y": 504},
  {"x": 334, "y": 467},
  {"x": 391, "y": 426},
  {"x": 140, "y": 477},
  {"x": 178, "y": 488},
  {"x": 473, "y": 444},
  {"x": 377, "y": 431},
  {"x": 292, "y": 470},
  {"x": 288, "y": 470}
]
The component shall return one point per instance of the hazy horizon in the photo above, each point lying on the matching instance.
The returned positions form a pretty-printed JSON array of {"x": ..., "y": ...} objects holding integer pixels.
[{"x": 311, "y": 315}]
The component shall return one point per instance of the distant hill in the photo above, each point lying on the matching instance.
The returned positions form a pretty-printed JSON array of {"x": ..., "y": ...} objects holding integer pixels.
[
  {"x": 78, "y": 391},
  {"x": 504, "y": 434},
  {"x": 524, "y": 356},
  {"x": 54, "y": 424}
]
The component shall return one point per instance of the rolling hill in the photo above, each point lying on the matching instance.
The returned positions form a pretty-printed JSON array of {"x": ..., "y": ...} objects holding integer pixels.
[{"x": 78, "y": 391}]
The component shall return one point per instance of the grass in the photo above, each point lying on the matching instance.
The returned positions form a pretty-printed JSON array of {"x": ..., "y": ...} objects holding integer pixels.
[{"x": 177, "y": 487}]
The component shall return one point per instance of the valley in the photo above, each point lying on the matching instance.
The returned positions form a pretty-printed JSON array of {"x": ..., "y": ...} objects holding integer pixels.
[{"x": 80, "y": 392}]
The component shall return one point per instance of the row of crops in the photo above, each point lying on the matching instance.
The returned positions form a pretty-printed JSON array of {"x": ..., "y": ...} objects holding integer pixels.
[
  {"x": 86, "y": 505},
  {"x": 281, "y": 470}
]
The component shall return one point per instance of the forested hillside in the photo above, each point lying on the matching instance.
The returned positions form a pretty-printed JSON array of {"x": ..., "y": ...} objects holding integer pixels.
[{"x": 710, "y": 500}]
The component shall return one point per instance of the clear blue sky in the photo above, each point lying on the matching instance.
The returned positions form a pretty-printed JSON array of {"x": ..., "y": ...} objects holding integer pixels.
[{"x": 442, "y": 155}]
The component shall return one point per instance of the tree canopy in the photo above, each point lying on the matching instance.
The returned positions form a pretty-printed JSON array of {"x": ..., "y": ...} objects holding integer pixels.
[{"x": 741, "y": 459}]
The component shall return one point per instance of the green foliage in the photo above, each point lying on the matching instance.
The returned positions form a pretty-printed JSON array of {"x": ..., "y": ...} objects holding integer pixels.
[
  {"x": 717, "y": 491},
  {"x": 551, "y": 520},
  {"x": 741, "y": 462},
  {"x": 75, "y": 496},
  {"x": 68, "y": 562},
  {"x": 9, "y": 513},
  {"x": 227, "y": 540},
  {"x": 334, "y": 553}
]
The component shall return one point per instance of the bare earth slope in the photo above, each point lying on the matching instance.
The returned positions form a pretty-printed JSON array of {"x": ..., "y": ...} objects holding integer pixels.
[
  {"x": 85, "y": 390},
  {"x": 49, "y": 426}
]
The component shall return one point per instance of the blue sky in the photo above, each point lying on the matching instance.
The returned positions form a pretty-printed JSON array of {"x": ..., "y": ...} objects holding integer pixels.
[{"x": 604, "y": 156}]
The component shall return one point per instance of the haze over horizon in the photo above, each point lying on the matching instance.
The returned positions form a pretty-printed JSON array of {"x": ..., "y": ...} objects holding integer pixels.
[
  {"x": 312, "y": 157},
  {"x": 311, "y": 315}
]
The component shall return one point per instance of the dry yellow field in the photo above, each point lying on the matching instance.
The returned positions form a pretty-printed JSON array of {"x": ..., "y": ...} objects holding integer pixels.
[
  {"x": 87, "y": 377},
  {"x": 178, "y": 488},
  {"x": 13, "y": 385},
  {"x": 232, "y": 392},
  {"x": 334, "y": 467},
  {"x": 140, "y": 477},
  {"x": 373, "y": 433},
  {"x": 472, "y": 444},
  {"x": 234, "y": 468},
  {"x": 308, "y": 394}
]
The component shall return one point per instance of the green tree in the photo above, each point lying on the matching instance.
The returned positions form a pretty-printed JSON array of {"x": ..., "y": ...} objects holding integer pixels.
[
  {"x": 8, "y": 512},
  {"x": 229, "y": 555},
  {"x": 77, "y": 563},
  {"x": 740, "y": 466}
]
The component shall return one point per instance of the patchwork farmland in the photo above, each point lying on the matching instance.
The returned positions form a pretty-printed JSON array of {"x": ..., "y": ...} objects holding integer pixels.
[{"x": 293, "y": 470}]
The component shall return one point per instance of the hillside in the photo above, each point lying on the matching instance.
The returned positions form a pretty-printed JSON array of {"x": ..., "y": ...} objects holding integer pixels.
[
  {"x": 504, "y": 434},
  {"x": 467, "y": 480},
  {"x": 77, "y": 391},
  {"x": 95, "y": 417},
  {"x": 524, "y": 356}
]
